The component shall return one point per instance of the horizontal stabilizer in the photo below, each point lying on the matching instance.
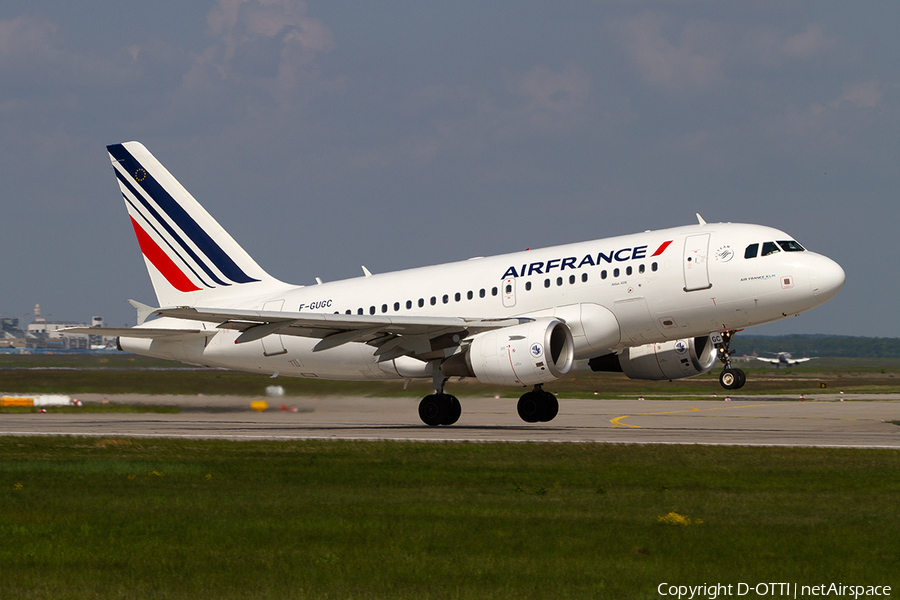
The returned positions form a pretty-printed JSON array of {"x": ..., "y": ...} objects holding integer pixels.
[{"x": 137, "y": 332}]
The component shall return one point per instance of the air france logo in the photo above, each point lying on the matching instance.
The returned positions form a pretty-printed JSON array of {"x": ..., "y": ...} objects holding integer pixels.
[
  {"x": 537, "y": 350},
  {"x": 589, "y": 260}
]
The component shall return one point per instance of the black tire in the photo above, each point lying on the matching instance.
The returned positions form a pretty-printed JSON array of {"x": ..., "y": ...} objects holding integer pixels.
[
  {"x": 434, "y": 409},
  {"x": 729, "y": 379},
  {"x": 531, "y": 407},
  {"x": 742, "y": 379},
  {"x": 455, "y": 410},
  {"x": 552, "y": 407}
]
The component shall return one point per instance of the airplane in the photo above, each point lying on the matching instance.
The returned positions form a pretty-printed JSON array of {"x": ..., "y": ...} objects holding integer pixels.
[
  {"x": 783, "y": 359},
  {"x": 657, "y": 305}
]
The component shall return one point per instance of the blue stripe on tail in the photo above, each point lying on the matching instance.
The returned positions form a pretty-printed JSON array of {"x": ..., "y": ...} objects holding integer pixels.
[{"x": 184, "y": 221}]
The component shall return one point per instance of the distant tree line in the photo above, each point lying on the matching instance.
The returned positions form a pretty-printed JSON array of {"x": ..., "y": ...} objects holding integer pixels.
[{"x": 817, "y": 345}]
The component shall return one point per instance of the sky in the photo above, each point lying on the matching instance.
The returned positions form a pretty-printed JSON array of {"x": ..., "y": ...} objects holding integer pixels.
[{"x": 325, "y": 135}]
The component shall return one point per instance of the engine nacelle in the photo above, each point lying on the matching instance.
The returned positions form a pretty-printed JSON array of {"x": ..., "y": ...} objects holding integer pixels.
[
  {"x": 526, "y": 354},
  {"x": 666, "y": 361}
]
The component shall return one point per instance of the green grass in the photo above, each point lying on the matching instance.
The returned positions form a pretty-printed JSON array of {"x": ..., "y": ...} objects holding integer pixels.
[{"x": 102, "y": 518}]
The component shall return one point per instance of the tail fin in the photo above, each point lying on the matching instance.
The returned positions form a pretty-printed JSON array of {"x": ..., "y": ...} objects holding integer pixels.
[{"x": 188, "y": 254}]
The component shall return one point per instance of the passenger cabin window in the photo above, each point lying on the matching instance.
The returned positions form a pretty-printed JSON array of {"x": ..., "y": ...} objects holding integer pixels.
[
  {"x": 751, "y": 251},
  {"x": 791, "y": 246},
  {"x": 769, "y": 248}
]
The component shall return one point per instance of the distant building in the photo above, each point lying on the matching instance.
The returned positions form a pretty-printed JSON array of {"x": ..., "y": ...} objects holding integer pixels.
[{"x": 49, "y": 335}]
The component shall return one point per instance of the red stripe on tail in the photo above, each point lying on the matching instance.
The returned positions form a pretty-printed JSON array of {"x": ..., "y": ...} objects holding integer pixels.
[{"x": 162, "y": 262}]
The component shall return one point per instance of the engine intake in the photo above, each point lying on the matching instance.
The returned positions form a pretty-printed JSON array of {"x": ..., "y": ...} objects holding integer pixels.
[
  {"x": 526, "y": 354},
  {"x": 676, "y": 359}
]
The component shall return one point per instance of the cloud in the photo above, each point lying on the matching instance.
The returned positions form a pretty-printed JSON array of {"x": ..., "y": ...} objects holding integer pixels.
[
  {"x": 688, "y": 63},
  {"x": 277, "y": 30},
  {"x": 558, "y": 92},
  {"x": 28, "y": 39},
  {"x": 692, "y": 56},
  {"x": 834, "y": 126}
]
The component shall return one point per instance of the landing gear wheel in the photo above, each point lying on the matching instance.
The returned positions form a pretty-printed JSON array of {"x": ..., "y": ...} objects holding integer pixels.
[
  {"x": 439, "y": 409},
  {"x": 454, "y": 412},
  {"x": 538, "y": 406},
  {"x": 531, "y": 406},
  {"x": 552, "y": 407},
  {"x": 434, "y": 409},
  {"x": 732, "y": 379}
]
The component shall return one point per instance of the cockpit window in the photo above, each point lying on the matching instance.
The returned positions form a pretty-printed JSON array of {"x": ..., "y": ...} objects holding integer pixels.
[
  {"x": 769, "y": 248},
  {"x": 791, "y": 246},
  {"x": 751, "y": 251}
]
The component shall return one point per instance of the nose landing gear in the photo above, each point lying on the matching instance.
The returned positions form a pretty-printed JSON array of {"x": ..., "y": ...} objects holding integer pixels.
[{"x": 730, "y": 378}]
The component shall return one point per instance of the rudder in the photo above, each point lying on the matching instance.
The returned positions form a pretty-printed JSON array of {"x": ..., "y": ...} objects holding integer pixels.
[{"x": 188, "y": 254}]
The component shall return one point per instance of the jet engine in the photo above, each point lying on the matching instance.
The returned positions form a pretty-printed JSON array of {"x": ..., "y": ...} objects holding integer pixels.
[
  {"x": 669, "y": 360},
  {"x": 526, "y": 354}
]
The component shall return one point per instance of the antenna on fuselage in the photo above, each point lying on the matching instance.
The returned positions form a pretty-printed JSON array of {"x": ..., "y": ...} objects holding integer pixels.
[{"x": 700, "y": 219}]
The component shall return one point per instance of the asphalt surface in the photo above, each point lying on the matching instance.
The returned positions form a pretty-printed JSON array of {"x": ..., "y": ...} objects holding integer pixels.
[{"x": 828, "y": 420}]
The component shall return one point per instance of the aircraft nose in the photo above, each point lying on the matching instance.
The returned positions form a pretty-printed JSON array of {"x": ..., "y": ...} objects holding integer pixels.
[{"x": 826, "y": 278}]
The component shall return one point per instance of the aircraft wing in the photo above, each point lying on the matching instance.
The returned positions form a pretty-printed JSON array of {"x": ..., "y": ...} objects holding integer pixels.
[
  {"x": 135, "y": 332},
  {"x": 393, "y": 335},
  {"x": 774, "y": 361}
]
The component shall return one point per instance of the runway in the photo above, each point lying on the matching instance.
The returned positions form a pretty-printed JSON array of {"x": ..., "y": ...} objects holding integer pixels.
[{"x": 822, "y": 421}]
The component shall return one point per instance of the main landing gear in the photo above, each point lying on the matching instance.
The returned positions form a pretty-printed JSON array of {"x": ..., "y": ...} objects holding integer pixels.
[
  {"x": 537, "y": 406},
  {"x": 441, "y": 408},
  {"x": 729, "y": 378}
]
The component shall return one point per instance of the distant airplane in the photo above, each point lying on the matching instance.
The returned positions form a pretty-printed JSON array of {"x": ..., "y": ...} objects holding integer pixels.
[
  {"x": 783, "y": 359},
  {"x": 658, "y": 305}
]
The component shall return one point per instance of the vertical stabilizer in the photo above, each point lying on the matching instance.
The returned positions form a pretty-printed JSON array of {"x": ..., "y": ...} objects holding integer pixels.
[{"x": 189, "y": 256}]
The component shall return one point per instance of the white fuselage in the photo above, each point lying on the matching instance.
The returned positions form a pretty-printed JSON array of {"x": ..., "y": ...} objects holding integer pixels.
[{"x": 655, "y": 286}]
